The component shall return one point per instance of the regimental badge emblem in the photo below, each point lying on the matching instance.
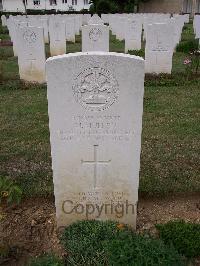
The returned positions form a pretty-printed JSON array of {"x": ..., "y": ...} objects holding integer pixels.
[
  {"x": 95, "y": 34},
  {"x": 96, "y": 89},
  {"x": 29, "y": 36}
]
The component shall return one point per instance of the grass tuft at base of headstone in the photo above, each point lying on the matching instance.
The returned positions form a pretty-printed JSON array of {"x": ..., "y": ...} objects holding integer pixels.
[{"x": 110, "y": 243}]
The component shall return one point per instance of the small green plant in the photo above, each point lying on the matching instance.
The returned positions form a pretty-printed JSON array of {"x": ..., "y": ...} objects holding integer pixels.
[
  {"x": 187, "y": 46},
  {"x": 46, "y": 260},
  {"x": 184, "y": 236},
  {"x": 195, "y": 57},
  {"x": 109, "y": 243},
  {"x": 192, "y": 63},
  {"x": 9, "y": 191}
]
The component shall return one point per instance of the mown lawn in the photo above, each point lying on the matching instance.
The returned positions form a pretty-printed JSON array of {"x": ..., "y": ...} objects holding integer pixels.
[{"x": 170, "y": 139}]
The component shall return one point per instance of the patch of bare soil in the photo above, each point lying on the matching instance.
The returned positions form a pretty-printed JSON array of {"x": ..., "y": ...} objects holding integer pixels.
[{"x": 29, "y": 230}]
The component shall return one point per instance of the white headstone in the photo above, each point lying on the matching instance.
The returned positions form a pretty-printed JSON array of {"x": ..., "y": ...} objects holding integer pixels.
[
  {"x": 105, "y": 18},
  {"x": 57, "y": 37},
  {"x": 179, "y": 25},
  {"x": 95, "y": 19},
  {"x": 3, "y": 20},
  {"x": 176, "y": 32},
  {"x": 196, "y": 25},
  {"x": 112, "y": 24},
  {"x": 70, "y": 29},
  {"x": 186, "y": 18},
  {"x": 13, "y": 26},
  {"x": 43, "y": 22},
  {"x": 31, "y": 54},
  {"x": 95, "y": 38},
  {"x": 133, "y": 34},
  {"x": 159, "y": 48},
  {"x": 78, "y": 24},
  {"x": 95, "y": 105},
  {"x": 120, "y": 27},
  {"x": 86, "y": 18},
  {"x": 153, "y": 19}
]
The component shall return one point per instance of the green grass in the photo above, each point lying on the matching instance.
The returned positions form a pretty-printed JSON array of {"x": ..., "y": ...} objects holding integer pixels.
[
  {"x": 188, "y": 32},
  {"x": 170, "y": 145},
  {"x": 185, "y": 237},
  {"x": 46, "y": 260},
  {"x": 104, "y": 243},
  {"x": 4, "y": 33}
]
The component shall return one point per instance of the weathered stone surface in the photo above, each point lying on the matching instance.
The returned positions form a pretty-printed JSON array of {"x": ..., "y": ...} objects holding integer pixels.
[
  {"x": 95, "y": 38},
  {"x": 133, "y": 34},
  {"x": 95, "y": 105},
  {"x": 31, "y": 54},
  {"x": 57, "y": 37},
  {"x": 95, "y": 19},
  {"x": 159, "y": 48}
]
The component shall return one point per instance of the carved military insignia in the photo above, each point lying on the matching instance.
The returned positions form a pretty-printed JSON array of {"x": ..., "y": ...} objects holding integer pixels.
[
  {"x": 96, "y": 89},
  {"x": 95, "y": 34},
  {"x": 30, "y": 36}
]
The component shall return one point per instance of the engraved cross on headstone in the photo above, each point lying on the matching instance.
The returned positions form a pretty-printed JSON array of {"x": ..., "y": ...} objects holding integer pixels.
[
  {"x": 95, "y": 163},
  {"x": 32, "y": 60}
]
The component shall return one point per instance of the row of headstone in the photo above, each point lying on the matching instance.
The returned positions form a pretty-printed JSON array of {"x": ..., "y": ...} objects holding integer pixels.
[
  {"x": 96, "y": 142},
  {"x": 161, "y": 32},
  {"x": 29, "y": 46},
  {"x": 120, "y": 24},
  {"x": 95, "y": 36},
  {"x": 95, "y": 106},
  {"x": 29, "y": 35}
]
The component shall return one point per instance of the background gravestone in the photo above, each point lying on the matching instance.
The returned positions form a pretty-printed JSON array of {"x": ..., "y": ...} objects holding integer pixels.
[
  {"x": 133, "y": 34},
  {"x": 159, "y": 48},
  {"x": 57, "y": 37},
  {"x": 95, "y": 38},
  {"x": 95, "y": 19},
  {"x": 31, "y": 54},
  {"x": 70, "y": 29}
]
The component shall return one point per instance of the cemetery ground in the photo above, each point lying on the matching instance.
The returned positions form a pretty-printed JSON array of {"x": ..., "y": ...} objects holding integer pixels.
[{"x": 169, "y": 176}]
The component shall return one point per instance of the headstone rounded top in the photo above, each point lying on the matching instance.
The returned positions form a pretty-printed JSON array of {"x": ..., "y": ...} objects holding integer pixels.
[
  {"x": 99, "y": 53},
  {"x": 95, "y": 19}
]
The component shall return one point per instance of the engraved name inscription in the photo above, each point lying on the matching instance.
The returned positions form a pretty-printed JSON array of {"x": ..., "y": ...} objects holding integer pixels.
[{"x": 96, "y": 128}]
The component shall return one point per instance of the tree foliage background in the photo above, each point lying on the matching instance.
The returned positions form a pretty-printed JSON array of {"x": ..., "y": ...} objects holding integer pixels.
[{"x": 114, "y": 6}]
